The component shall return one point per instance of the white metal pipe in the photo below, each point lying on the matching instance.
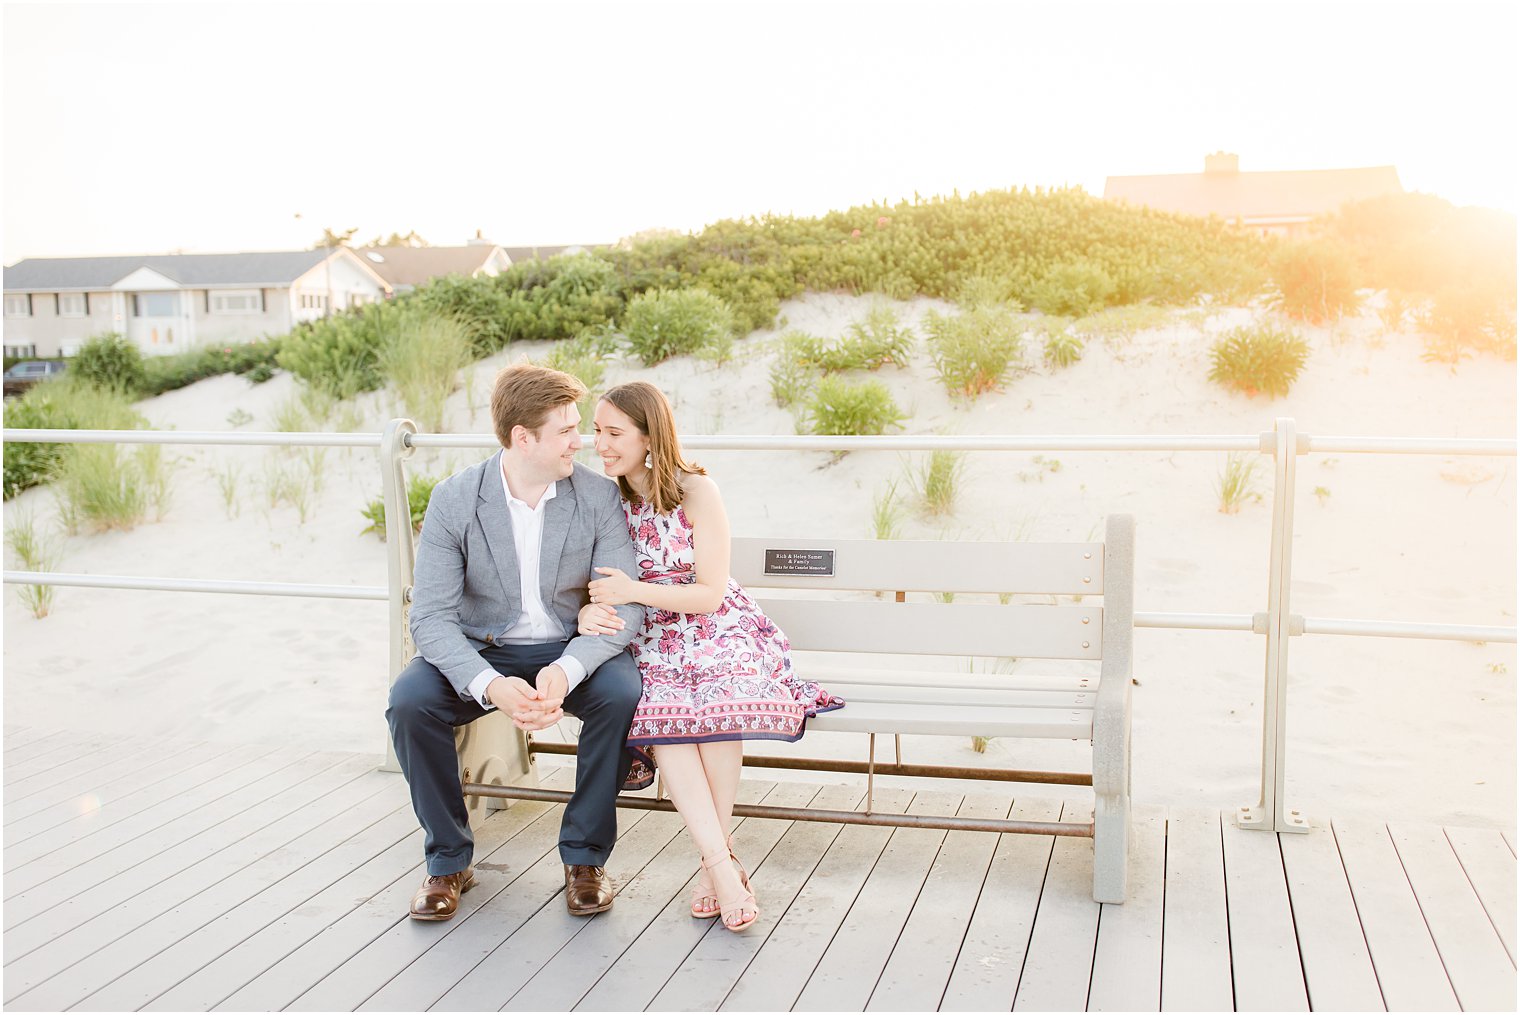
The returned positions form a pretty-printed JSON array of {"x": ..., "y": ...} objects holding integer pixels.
[
  {"x": 110, "y": 581},
  {"x": 1400, "y": 629},
  {"x": 1195, "y": 621},
  {"x": 201, "y": 437},
  {"x": 926, "y": 442},
  {"x": 1413, "y": 445}
]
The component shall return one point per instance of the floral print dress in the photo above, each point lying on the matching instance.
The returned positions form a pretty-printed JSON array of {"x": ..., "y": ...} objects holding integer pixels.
[{"x": 725, "y": 675}]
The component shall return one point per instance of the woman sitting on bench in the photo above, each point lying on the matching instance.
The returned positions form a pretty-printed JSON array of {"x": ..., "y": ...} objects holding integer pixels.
[{"x": 715, "y": 670}]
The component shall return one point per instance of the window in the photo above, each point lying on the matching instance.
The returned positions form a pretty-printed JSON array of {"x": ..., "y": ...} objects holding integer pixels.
[
  {"x": 155, "y": 304},
  {"x": 358, "y": 299},
  {"x": 73, "y": 305},
  {"x": 313, "y": 301},
  {"x": 18, "y": 306},
  {"x": 236, "y": 301},
  {"x": 21, "y": 351}
]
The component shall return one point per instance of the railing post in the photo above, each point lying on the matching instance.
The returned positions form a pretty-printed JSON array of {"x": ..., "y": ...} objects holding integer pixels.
[
  {"x": 400, "y": 552},
  {"x": 1270, "y": 813}
]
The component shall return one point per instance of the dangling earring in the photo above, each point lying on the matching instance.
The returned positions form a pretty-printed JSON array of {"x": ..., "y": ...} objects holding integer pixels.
[{"x": 649, "y": 460}]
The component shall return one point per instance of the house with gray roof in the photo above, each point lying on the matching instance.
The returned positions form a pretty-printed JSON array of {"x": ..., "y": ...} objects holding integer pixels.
[
  {"x": 1282, "y": 202},
  {"x": 167, "y": 303}
]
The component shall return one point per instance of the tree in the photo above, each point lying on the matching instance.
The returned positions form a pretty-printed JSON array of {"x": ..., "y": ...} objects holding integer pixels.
[
  {"x": 410, "y": 239},
  {"x": 335, "y": 238}
]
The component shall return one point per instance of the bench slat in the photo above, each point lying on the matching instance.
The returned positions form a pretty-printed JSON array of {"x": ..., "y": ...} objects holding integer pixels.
[
  {"x": 830, "y": 677},
  {"x": 954, "y": 720},
  {"x": 981, "y": 697},
  {"x": 930, "y": 566},
  {"x": 1034, "y": 632}
]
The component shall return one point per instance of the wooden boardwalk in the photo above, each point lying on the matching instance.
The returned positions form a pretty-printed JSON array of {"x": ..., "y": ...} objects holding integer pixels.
[{"x": 217, "y": 877}]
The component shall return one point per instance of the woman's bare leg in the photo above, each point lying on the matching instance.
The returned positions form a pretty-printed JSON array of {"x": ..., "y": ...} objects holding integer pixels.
[
  {"x": 723, "y": 762},
  {"x": 687, "y": 782}
]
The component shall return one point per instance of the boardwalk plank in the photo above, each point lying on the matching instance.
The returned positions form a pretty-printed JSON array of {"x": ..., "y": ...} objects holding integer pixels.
[
  {"x": 20, "y": 736},
  {"x": 59, "y": 749},
  {"x": 282, "y": 971},
  {"x": 853, "y": 962},
  {"x": 1195, "y": 951},
  {"x": 130, "y": 886},
  {"x": 1408, "y": 967},
  {"x": 986, "y": 974},
  {"x": 1263, "y": 945},
  {"x": 91, "y": 785},
  {"x": 143, "y": 930},
  {"x": 1127, "y": 963},
  {"x": 545, "y": 927},
  {"x": 707, "y": 972},
  {"x": 781, "y": 968},
  {"x": 511, "y": 884},
  {"x": 923, "y": 959},
  {"x": 659, "y": 889},
  {"x": 1058, "y": 966},
  {"x": 30, "y": 794},
  {"x": 87, "y": 883},
  {"x": 425, "y": 981},
  {"x": 1338, "y": 969},
  {"x": 194, "y": 952},
  {"x": 91, "y": 835},
  {"x": 1490, "y": 866},
  {"x": 1481, "y": 971}
]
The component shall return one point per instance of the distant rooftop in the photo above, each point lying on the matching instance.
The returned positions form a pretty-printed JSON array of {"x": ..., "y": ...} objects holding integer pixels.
[
  {"x": 272, "y": 268},
  {"x": 1223, "y": 190},
  {"x": 413, "y": 266}
]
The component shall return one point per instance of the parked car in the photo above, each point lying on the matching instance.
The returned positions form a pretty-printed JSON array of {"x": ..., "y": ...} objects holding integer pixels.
[{"x": 23, "y": 375}]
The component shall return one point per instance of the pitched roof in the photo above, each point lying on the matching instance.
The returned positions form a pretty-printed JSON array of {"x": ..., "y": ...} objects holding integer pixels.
[
  {"x": 544, "y": 253},
  {"x": 1237, "y": 195},
  {"x": 280, "y": 267},
  {"x": 415, "y": 265}
]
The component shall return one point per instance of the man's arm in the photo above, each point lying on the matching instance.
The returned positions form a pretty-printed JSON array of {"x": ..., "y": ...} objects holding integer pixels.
[
  {"x": 612, "y": 548},
  {"x": 437, "y": 588}
]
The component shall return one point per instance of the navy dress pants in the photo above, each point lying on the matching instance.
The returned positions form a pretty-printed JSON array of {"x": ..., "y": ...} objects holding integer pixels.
[{"x": 424, "y": 710}]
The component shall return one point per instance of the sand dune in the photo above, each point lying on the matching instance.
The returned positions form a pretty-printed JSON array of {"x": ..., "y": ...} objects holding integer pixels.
[{"x": 1381, "y": 726}]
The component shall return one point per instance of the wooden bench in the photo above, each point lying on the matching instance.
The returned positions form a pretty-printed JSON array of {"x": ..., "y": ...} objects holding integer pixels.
[{"x": 851, "y": 599}]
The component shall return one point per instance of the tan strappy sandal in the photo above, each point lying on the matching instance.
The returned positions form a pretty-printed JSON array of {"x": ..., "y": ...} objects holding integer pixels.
[
  {"x": 739, "y": 905},
  {"x": 704, "y": 889}
]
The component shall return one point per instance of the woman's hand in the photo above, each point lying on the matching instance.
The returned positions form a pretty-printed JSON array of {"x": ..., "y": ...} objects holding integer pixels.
[
  {"x": 596, "y": 619},
  {"x": 617, "y": 589}
]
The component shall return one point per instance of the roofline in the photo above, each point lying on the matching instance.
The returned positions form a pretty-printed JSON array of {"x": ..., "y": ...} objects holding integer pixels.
[
  {"x": 354, "y": 256},
  {"x": 109, "y": 288}
]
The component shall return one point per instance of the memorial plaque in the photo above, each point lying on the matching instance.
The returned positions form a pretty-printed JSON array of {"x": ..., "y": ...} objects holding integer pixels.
[{"x": 819, "y": 563}]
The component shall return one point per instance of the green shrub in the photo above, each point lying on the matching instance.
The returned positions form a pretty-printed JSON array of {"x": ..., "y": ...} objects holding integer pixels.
[
  {"x": 791, "y": 380},
  {"x": 973, "y": 351},
  {"x": 1062, "y": 349},
  {"x": 558, "y": 298},
  {"x": 663, "y": 323},
  {"x": 419, "y": 490},
  {"x": 33, "y": 552},
  {"x": 937, "y": 479},
  {"x": 1314, "y": 280},
  {"x": 1262, "y": 358},
  {"x": 1467, "y": 318},
  {"x": 1073, "y": 288},
  {"x": 341, "y": 354},
  {"x": 422, "y": 355},
  {"x": 106, "y": 486},
  {"x": 1236, "y": 482},
  {"x": 840, "y": 407},
  {"x": 110, "y": 361},
  {"x": 254, "y": 360},
  {"x": 68, "y": 403}
]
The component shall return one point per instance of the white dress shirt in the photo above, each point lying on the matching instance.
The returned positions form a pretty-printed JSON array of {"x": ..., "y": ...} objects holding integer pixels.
[{"x": 535, "y": 625}]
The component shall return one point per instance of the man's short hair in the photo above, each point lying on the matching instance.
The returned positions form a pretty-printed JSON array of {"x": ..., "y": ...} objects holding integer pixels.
[{"x": 525, "y": 394}]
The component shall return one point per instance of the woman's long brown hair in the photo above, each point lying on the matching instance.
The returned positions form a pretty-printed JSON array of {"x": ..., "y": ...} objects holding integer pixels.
[{"x": 649, "y": 409}]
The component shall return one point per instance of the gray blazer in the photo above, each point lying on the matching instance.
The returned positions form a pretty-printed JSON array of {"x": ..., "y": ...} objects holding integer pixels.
[{"x": 467, "y": 591}]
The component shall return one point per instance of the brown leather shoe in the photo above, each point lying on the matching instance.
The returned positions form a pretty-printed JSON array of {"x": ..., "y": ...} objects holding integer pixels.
[
  {"x": 587, "y": 889},
  {"x": 438, "y": 898}
]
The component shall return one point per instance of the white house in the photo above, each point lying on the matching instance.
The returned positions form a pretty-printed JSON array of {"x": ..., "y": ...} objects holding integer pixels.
[{"x": 168, "y": 303}]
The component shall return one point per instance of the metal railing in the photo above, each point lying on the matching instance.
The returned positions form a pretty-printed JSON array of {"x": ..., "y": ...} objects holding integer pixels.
[{"x": 1277, "y": 622}]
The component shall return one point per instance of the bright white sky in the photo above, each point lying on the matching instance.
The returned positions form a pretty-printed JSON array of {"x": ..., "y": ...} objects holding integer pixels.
[{"x": 146, "y": 128}]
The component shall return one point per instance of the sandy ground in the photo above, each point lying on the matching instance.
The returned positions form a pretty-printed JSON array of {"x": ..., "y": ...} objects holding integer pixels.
[{"x": 1387, "y": 727}]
